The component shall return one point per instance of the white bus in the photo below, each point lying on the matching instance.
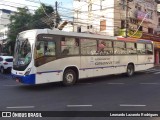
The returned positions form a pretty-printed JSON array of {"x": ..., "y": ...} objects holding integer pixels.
[{"x": 44, "y": 55}]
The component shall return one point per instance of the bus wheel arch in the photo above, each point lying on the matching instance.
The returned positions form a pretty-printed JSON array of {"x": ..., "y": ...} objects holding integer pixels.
[
  {"x": 70, "y": 76},
  {"x": 130, "y": 69}
]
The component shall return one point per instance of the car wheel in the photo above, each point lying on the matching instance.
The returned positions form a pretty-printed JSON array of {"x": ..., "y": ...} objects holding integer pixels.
[
  {"x": 2, "y": 70},
  {"x": 69, "y": 77}
]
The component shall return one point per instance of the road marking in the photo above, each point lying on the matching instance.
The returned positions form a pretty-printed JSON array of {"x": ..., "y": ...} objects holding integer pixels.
[
  {"x": 19, "y": 107},
  {"x": 116, "y": 83},
  {"x": 79, "y": 105},
  {"x": 131, "y": 105},
  {"x": 149, "y": 83},
  {"x": 157, "y": 73}
]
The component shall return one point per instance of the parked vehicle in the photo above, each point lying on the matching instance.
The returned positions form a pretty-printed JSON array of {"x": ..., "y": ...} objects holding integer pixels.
[{"x": 6, "y": 63}]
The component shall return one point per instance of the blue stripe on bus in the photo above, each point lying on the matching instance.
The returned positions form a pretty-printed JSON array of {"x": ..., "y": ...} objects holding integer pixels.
[{"x": 28, "y": 79}]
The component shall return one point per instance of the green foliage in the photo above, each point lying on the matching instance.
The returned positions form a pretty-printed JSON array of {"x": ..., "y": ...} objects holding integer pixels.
[
  {"x": 40, "y": 14},
  {"x": 23, "y": 20},
  {"x": 19, "y": 22}
]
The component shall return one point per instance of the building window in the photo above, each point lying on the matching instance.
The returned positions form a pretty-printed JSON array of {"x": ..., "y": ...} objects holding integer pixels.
[
  {"x": 150, "y": 30},
  {"x": 89, "y": 27},
  {"x": 150, "y": 15},
  {"x": 139, "y": 8},
  {"x": 79, "y": 29},
  {"x": 159, "y": 21},
  {"x": 102, "y": 25},
  {"x": 122, "y": 24},
  {"x": 141, "y": 28}
]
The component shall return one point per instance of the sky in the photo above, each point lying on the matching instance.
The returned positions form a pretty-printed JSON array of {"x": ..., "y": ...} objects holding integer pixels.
[{"x": 10, "y": 4}]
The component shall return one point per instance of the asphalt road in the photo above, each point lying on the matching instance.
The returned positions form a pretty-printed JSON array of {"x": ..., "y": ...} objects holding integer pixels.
[{"x": 110, "y": 93}]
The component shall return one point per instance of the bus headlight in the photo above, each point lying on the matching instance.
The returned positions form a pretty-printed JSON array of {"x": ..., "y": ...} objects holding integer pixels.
[{"x": 28, "y": 71}]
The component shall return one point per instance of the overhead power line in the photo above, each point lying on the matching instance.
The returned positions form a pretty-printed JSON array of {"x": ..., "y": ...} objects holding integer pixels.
[{"x": 18, "y": 4}]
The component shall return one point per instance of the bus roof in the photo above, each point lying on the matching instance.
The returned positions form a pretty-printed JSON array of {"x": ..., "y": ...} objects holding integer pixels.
[
  {"x": 72, "y": 34},
  {"x": 134, "y": 40}
]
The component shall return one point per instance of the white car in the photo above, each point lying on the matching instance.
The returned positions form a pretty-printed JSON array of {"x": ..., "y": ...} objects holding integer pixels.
[{"x": 6, "y": 63}]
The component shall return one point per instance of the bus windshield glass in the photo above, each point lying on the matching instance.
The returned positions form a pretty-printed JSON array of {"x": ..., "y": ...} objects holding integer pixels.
[{"x": 22, "y": 54}]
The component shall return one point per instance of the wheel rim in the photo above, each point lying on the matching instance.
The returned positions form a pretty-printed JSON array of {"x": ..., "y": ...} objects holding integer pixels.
[
  {"x": 130, "y": 71},
  {"x": 69, "y": 78}
]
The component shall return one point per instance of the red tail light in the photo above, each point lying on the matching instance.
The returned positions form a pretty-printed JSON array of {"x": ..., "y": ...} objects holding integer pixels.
[{"x": 5, "y": 63}]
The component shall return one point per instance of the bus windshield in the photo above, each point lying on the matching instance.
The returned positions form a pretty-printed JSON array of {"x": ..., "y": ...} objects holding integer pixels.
[{"x": 22, "y": 54}]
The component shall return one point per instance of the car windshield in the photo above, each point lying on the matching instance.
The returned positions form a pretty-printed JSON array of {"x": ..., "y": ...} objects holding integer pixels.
[{"x": 22, "y": 54}]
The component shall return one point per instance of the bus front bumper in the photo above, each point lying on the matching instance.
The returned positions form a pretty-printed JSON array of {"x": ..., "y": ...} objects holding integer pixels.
[{"x": 28, "y": 79}]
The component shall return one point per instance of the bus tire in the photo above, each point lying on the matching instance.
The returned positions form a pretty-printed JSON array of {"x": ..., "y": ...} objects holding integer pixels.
[
  {"x": 69, "y": 77},
  {"x": 130, "y": 70}
]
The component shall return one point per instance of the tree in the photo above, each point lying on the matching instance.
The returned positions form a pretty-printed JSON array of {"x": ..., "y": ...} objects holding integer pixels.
[
  {"x": 41, "y": 13},
  {"x": 23, "y": 19},
  {"x": 46, "y": 17},
  {"x": 20, "y": 21}
]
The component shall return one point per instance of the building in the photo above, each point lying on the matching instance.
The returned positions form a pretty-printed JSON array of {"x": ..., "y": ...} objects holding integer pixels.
[
  {"x": 4, "y": 21},
  {"x": 126, "y": 18}
]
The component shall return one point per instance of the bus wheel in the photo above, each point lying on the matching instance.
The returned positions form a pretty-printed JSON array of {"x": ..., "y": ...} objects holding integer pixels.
[
  {"x": 69, "y": 77},
  {"x": 130, "y": 70}
]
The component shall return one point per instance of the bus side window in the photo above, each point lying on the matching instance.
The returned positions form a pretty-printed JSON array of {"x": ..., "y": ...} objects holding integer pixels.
[
  {"x": 131, "y": 48},
  {"x": 49, "y": 48},
  {"x": 105, "y": 47},
  {"x": 119, "y": 48},
  {"x": 149, "y": 49},
  {"x": 141, "y": 48},
  {"x": 39, "y": 49},
  {"x": 88, "y": 46}
]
